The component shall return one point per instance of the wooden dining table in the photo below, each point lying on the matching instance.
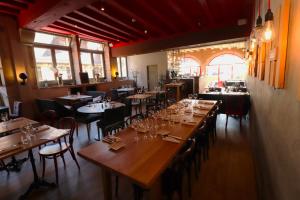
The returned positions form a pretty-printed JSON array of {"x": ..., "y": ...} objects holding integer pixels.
[
  {"x": 142, "y": 162},
  {"x": 12, "y": 145},
  {"x": 97, "y": 108},
  {"x": 11, "y": 125},
  {"x": 141, "y": 98}
]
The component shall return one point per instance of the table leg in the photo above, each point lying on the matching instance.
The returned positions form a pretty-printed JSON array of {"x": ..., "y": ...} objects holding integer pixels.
[
  {"x": 106, "y": 181},
  {"x": 37, "y": 183},
  {"x": 141, "y": 106},
  {"x": 178, "y": 93}
]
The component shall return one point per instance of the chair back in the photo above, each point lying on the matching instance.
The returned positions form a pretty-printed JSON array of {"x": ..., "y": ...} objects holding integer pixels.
[
  {"x": 113, "y": 115},
  {"x": 45, "y": 104},
  {"x": 17, "y": 109},
  {"x": 185, "y": 156},
  {"x": 114, "y": 94},
  {"x": 128, "y": 107},
  {"x": 49, "y": 117},
  {"x": 235, "y": 105},
  {"x": 68, "y": 123}
]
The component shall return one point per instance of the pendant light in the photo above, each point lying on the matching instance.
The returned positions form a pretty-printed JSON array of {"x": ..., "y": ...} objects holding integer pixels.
[
  {"x": 269, "y": 32},
  {"x": 256, "y": 34}
]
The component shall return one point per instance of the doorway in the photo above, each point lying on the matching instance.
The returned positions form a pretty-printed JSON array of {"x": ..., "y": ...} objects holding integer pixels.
[{"x": 152, "y": 76}]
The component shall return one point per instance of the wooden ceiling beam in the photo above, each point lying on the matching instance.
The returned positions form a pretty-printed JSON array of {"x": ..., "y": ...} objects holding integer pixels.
[
  {"x": 207, "y": 12},
  {"x": 156, "y": 14},
  {"x": 44, "y": 13},
  {"x": 8, "y": 10},
  {"x": 13, "y": 4},
  {"x": 92, "y": 28},
  {"x": 82, "y": 30},
  {"x": 182, "y": 15},
  {"x": 147, "y": 24},
  {"x": 95, "y": 22},
  {"x": 112, "y": 18},
  {"x": 59, "y": 29}
]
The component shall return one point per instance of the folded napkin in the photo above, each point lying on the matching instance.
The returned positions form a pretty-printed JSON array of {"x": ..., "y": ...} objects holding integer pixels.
[
  {"x": 116, "y": 146},
  {"x": 41, "y": 128},
  {"x": 139, "y": 130},
  {"x": 188, "y": 122},
  {"x": 163, "y": 132},
  {"x": 197, "y": 114},
  {"x": 188, "y": 111},
  {"x": 171, "y": 139}
]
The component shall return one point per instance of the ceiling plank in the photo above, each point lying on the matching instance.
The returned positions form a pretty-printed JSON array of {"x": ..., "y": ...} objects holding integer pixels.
[
  {"x": 92, "y": 28},
  {"x": 14, "y": 5},
  {"x": 112, "y": 18},
  {"x": 182, "y": 15},
  {"x": 150, "y": 26},
  {"x": 206, "y": 11},
  {"x": 43, "y": 13},
  {"x": 82, "y": 30},
  {"x": 8, "y": 10},
  {"x": 81, "y": 15},
  {"x": 156, "y": 14},
  {"x": 58, "y": 29}
]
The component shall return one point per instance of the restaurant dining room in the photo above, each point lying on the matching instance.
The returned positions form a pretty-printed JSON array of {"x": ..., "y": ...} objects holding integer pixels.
[{"x": 149, "y": 100}]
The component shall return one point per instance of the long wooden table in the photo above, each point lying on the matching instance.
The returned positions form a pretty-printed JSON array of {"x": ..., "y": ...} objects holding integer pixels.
[
  {"x": 14, "y": 124},
  {"x": 141, "y": 162},
  {"x": 42, "y": 137}
]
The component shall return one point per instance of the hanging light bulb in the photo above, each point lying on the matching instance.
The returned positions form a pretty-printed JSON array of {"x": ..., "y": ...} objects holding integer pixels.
[
  {"x": 269, "y": 32},
  {"x": 258, "y": 28}
]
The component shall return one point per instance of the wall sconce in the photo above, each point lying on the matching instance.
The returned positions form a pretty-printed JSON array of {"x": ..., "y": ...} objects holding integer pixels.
[
  {"x": 116, "y": 75},
  {"x": 23, "y": 76}
]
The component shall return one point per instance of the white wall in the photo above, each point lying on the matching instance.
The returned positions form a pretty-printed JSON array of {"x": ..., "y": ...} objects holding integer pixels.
[
  {"x": 275, "y": 122},
  {"x": 139, "y": 63}
]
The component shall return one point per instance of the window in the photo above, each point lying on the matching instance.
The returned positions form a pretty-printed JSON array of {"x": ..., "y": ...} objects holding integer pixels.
[
  {"x": 189, "y": 67},
  {"x": 53, "y": 58},
  {"x": 92, "y": 59},
  {"x": 122, "y": 66},
  {"x": 227, "y": 67}
]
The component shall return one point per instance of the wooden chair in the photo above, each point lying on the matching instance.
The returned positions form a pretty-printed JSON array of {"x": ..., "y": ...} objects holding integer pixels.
[
  {"x": 59, "y": 148},
  {"x": 17, "y": 110},
  {"x": 3, "y": 166},
  {"x": 172, "y": 178}
]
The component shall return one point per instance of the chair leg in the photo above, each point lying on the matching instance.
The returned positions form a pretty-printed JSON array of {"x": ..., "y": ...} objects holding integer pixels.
[
  {"x": 44, "y": 166},
  {"x": 56, "y": 169},
  {"x": 117, "y": 185},
  {"x": 77, "y": 129},
  {"x": 226, "y": 121},
  {"x": 241, "y": 118},
  {"x": 63, "y": 159},
  {"x": 189, "y": 181},
  {"x": 74, "y": 157},
  {"x": 88, "y": 128}
]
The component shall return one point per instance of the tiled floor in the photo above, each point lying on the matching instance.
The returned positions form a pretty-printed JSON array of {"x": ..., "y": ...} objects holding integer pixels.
[{"x": 228, "y": 174}]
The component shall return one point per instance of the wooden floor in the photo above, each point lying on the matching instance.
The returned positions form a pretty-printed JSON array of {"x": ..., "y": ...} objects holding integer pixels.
[{"x": 228, "y": 174}]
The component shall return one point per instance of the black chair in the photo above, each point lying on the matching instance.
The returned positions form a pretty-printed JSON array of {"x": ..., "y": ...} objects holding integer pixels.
[
  {"x": 84, "y": 118},
  {"x": 17, "y": 110},
  {"x": 114, "y": 95},
  {"x": 3, "y": 166},
  {"x": 111, "y": 117},
  {"x": 172, "y": 178},
  {"x": 128, "y": 108},
  {"x": 48, "y": 104},
  {"x": 59, "y": 148}
]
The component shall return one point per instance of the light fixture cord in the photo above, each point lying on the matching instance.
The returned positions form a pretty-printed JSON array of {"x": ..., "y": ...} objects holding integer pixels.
[
  {"x": 269, "y": 4},
  {"x": 258, "y": 7}
]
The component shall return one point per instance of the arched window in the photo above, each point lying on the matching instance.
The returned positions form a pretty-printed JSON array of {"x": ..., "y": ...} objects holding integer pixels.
[
  {"x": 189, "y": 67},
  {"x": 227, "y": 67}
]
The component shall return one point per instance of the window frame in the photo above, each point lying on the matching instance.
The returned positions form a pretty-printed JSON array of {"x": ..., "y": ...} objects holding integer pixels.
[
  {"x": 92, "y": 52},
  {"x": 120, "y": 72},
  {"x": 52, "y": 49}
]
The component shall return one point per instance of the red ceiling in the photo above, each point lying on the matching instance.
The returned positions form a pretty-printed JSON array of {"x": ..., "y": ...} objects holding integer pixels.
[{"x": 125, "y": 21}]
